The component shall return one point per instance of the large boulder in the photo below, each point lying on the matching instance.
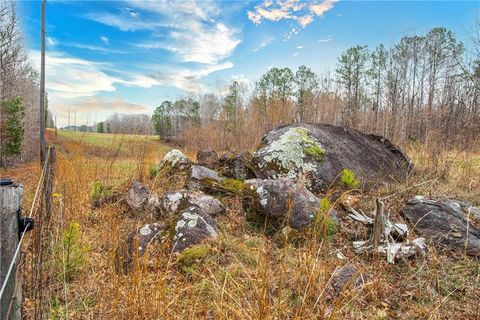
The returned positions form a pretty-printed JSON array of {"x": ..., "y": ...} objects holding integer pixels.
[
  {"x": 135, "y": 246},
  {"x": 235, "y": 165},
  {"x": 193, "y": 227},
  {"x": 320, "y": 152},
  {"x": 280, "y": 200},
  {"x": 445, "y": 221},
  {"x": 172, "y": 203},
  {"x": 207, "y": 157}
]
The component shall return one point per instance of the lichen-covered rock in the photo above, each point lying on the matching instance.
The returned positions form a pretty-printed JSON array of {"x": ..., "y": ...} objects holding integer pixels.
[
  {"x": 139, "y": 200},
  {"x": 207, "y": 158},
  {"x": 201, "y": 177},
  {"x": 137, "y": 196},
  {"x": 135, "y": 245},
  {"x": 174, "y": 202},
  {"x": 445, "y": 221},
  {"x": 280, "y": 200},
  {"x": 320, "y": 152},
  {"x": 173, "y": 162},
  {"x": 235, "y": 165},
  {"x": 193, "y": 227}
]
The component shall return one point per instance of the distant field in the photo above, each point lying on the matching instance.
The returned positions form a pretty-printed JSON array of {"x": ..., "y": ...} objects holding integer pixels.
[
  {"x": 104, "y": 139},
  {"x": 101, "y": 144}
]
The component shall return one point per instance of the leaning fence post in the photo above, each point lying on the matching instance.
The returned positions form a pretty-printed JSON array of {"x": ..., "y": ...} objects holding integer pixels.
[{"x": 10, "y": 205}]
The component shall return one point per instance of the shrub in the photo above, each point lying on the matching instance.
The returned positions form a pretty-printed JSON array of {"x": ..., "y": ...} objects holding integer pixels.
[
  {"x": 349, "y": 179},
  {"x": 70, "y": 253},
  {"x": 100, "y": 191}
]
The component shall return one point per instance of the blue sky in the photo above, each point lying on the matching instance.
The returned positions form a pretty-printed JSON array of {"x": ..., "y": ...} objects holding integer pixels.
[{"x": 129, "y": 56}]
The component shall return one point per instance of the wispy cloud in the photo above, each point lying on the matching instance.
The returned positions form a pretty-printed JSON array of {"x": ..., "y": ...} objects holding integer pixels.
[
  {"x": 265, "y": 42},
  {"x": 190, "y": 29},
  {"x": 300, "y": 47},
  {"x": 94, "y": 48},
  {"x": 301, "y": 12},
  {"x": 105, "y": 40},
  {"x": 100, "y": 104},
  {"x": 326, "y": 39}
]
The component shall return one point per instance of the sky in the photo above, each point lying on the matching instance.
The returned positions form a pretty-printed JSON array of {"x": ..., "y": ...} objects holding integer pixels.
[{"x": 129, "y": 56}]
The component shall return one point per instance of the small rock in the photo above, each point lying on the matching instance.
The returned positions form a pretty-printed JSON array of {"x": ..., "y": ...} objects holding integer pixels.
[
  {"x": 174, "y": 202},
  {"x": 201, "y": 178},
  {"x": 444, "y": 221},
  {"x": 193, "y": 227},
  {"x": 173, "y": 162},
  {"x": 235, "y": 165},
  {"x": 137, "y": 197},
  {"x": 135, "y": 245},
  {"x": 343, "y": 276},
  {"x": 275, "y": 198},
  {"x": 207, "y": 158}
]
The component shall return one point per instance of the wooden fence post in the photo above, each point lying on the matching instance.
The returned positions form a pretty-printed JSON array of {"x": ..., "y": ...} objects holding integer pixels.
[{"x": 10, "y": 205}]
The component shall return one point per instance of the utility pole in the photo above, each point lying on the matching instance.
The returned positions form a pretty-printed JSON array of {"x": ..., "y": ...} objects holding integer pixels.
[{"x": 42, "y": 91}]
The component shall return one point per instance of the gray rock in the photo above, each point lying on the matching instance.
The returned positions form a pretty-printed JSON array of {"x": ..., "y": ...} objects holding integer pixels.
[
  {"x": 207, "y": 158},
  {"x": 444, "y": 221},
  {"x": 173, "y": 162},
  {"x": 135, "y": 245},
  {"x": 137, "y": 196},
  {"x": 201, "y": 177},
  {"x": 270, "y": 198},
  {"x": 320, "y": 152},
  {"x": 175, "y": 202},
  {"x": 343, "y": 276},
  {"x": 193, "y": 227},
  {"x": 235, "y": 165}
]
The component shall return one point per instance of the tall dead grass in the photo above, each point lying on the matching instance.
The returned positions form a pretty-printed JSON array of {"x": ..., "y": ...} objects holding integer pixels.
[{"x": 245, "y": 274}]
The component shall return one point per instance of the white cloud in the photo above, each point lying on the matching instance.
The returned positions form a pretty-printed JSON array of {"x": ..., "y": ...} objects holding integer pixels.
[
  {"x": 105, "y": 40},
  {"x": 300, "y": 47},
  {"x": 94, "y": 48},
  {"x": 51, "y": 41},
  {"x": 265, "y": 42},
  {"x": 188, "y": 79},
  {"x": 301, "y": 12},
  {"x": 190, "y": 29},
  {"x": 69, "y": 77},
  {"x": 99, "y": 104},
  {"x": 325, "y": 40}
]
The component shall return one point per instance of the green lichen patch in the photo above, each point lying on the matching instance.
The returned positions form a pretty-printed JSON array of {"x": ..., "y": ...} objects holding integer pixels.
[{"x": 291, "y": 151}]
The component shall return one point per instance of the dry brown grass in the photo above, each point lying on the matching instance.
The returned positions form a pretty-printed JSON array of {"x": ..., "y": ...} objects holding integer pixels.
[{"x": 243, "y": 273}]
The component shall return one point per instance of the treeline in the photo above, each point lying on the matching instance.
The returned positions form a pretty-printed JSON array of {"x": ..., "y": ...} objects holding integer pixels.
[
  {"x": 422, "y": 88},
  {"x": 19, "y": 93},
  {"x": 125, "y": 124}
]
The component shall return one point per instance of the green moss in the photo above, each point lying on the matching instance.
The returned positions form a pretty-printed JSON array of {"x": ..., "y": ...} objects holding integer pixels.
[
  {"x": 310, "y": 146},
  {"x": 314, "y": 151},
  {"x": 100, "y": 191},
  {"x": 189, "y": 259},
  {"x": 225, "y": 186},
  {"x": 232, "y": 185},
  {"x": 349, "y": 179}
]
